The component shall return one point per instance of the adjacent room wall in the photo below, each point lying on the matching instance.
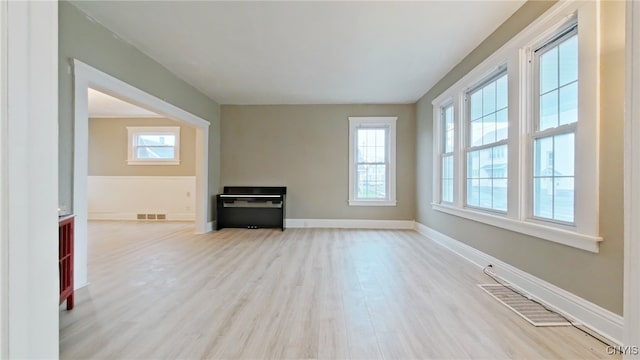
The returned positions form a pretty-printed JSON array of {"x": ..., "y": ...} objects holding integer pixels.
[
  {"x": 595, "y": 277},
  {"x": 108, "y": 148},
  {"x": 118, "y": 191},
  {"x": 83, "y": 39},
  {"x": 305, "y": 147}
]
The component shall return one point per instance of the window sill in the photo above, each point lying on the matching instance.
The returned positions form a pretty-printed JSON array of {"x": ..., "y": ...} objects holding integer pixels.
[
  {"x": 372, "y": 203},
  {"x": 560, "y": 236},
  {"x": 153, "y": 162}
]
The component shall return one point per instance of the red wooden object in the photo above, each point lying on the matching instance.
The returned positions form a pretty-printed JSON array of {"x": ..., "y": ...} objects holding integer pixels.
[{"x": 65, "y": 238}]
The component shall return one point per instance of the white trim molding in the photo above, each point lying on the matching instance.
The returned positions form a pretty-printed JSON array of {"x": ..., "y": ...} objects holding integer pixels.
[
  {"x": 29, "y": 173},
  {"x": 602, "y": 321},
  {"x": 631, "y": 182},
  {"x": 350, "y": 224},
  {"x": 558, "y": 235},
  {"x": 85, "y": 77}
]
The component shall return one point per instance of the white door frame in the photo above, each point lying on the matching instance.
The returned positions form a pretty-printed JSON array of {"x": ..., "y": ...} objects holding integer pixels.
[
  {"x": 4, "y": 239},
  {"x": 86, "y": 76},
  {"x": 29, "y": 180},
  {"x": 632, "y": 183}
]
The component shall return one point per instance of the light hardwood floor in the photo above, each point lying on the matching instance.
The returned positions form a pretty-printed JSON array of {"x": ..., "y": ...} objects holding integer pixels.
[{"x": 158, "y": 291}]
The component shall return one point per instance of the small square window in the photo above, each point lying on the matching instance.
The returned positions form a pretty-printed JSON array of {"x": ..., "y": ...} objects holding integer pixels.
[{"x": 153, "y": 145}]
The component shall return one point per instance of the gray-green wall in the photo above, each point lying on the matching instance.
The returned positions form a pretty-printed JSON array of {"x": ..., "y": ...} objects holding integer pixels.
[
  {"x": 305, "y": 147},
  {"x": 91, "y": 43},
  {"x": 595, "y": 277}
]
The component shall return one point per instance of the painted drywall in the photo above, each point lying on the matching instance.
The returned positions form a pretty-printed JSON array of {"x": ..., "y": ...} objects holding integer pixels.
[
  {"x": 124, "y": 197},
  {"x": 595, "y": 277},
  {"x": 305, "y": 147},
  {"x": 108, "y": 139},
  {"x": 83, "y": 39}
]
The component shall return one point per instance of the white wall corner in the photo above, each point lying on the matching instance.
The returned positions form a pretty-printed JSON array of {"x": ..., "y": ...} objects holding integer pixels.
[{"x": 592, "y": 316}]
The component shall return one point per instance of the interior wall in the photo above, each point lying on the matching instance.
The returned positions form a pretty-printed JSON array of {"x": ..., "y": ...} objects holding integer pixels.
[
  {"x": 595, "y": 277},
  {"x": 305, "y": 147},
  {"x": 85, "y": 40},
  {"x": 108, "y": 149}
]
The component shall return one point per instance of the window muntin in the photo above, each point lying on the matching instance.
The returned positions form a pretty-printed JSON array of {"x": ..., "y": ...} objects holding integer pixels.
[
  {"x": 448, "y": 143},
  {"x": 487, "y": 154},
  {"x": 555, "y": 124},
  {"x": 153, "y": 145},
  {"x": 372, "y": 161}
]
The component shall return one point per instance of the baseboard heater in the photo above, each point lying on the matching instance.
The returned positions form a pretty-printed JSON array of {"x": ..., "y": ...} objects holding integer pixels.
[{"x": 251, "y": 207}]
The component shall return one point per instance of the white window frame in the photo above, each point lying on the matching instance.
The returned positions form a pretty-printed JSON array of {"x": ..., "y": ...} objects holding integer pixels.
[
  {"x": 517, "y": 54},
  {"x": 356, "y": 122},
  {"x": 134, "y": 131}
]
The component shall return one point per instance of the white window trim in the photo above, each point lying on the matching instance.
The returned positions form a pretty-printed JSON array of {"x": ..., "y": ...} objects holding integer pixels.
[
  {"x": 516, "y": 54},
  {"x": 354, "y": 123},
  {"x": 132, "y": 131}
]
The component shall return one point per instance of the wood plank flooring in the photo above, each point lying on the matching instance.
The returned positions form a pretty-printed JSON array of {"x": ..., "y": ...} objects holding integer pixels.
[{"x": 159, "y": 292}]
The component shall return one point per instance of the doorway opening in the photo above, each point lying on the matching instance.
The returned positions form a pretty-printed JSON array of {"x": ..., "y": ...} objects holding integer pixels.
[{"x": 87, "y": 77}]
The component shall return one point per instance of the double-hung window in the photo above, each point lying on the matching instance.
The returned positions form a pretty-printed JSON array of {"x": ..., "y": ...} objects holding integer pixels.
[
  {"x": 522, "y": 152},
  {"x": 153, "y": 145},
  {"x": 555, "y": 124},
  {"x": 488, "y": 131},
  {"x": 372, "y": 161}
]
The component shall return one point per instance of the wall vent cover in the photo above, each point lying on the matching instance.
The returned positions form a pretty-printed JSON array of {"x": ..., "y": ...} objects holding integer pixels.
[{"x": 531, "y": 311}]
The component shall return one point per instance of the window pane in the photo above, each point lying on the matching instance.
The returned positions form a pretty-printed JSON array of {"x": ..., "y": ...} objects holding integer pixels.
[
  {"x": 543, "y": 157},
  {"x": 157, "y": 140},
  {"x": 543, "y": 197},
  {"x": 549, "y": 70},
  {"x": 564, "y": 159},
  {"x": 448, "y": 126},
  {"x": 476, "y": 105},
  {"x": 147, "y": 152},
  {"x": 447, "y": 178},
  {"x": 549, "y": 110},
  {"x": 569, "y": 104},
  {"x": 370, "y": 181},
  {"x": 563, "y": 202},
  {"x": 371, "y": 145},
  {"x": 554, "y": 163},
  {"x": 569, "y": 60},
  {"x": 473, "y": 164},
  {"x": 473, "y": 192},
  {"x": 487, "y": 178},
  {"x": 449, "y": 141},
  {"x": 449, "y": 117},
  {"x": 489, "y": 129},
  {"x": 500, "y": 194},
  {"x": 489, "y": 98},
  {"x": 501, "y": 93},
  {"x": 502, "y": 125},
  {"x": 476, "y": 132}
]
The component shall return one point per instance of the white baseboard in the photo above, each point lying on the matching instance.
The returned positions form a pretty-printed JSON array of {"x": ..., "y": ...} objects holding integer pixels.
[
  {"x": 126, "y": 216},
  {"x": 596, "y": 318},
  {"x": 210, "y": 226},
  {"x": 350, "y": 224}
]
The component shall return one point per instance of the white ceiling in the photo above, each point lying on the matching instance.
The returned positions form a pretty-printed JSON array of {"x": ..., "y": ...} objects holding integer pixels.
[
  {"x": 299, "y": 52},
  {"x": 103, "y": 105}
]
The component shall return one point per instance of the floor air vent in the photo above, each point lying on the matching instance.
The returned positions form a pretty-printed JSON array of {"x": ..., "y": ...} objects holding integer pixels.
[{"x": 529, "y": 310}]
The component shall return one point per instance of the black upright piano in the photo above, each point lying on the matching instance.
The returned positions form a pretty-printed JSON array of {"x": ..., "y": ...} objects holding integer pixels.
[{"x": 251, "y": 207}]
